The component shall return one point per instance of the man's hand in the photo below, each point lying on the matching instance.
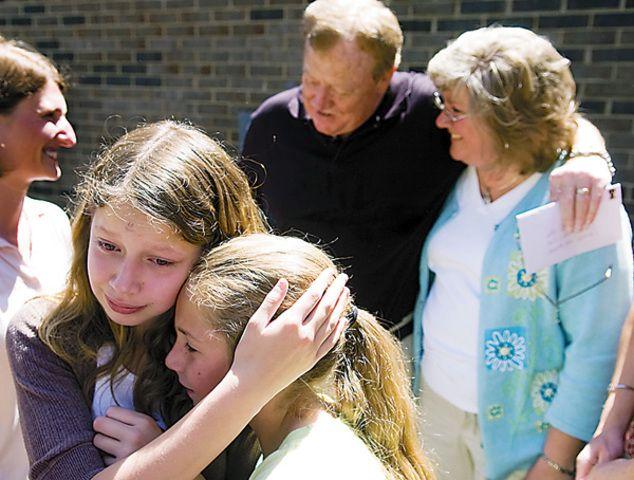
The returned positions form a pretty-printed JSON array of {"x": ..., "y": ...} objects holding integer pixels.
[
  {"x": 578, "y": 186},
  {"x": 122, "y": 432}
]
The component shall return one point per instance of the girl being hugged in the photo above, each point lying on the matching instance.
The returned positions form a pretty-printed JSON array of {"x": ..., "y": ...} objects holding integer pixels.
[
  {"x": 351, "y": 416},
  {"x": 152, "y": 203}
]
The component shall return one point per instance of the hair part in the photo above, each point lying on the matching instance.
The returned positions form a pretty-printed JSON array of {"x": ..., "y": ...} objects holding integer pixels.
[
  {"x": 23, "y": 72},
  {"x": 363, "y": 376},
  {"x": 179, "y": 177},
  {"x": 521, "y": 88},
  {"x": 369, "y": 23}
]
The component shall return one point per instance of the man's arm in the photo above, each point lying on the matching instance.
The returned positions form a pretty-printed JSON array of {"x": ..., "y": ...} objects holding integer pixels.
[{"x": 578, "y": 184}]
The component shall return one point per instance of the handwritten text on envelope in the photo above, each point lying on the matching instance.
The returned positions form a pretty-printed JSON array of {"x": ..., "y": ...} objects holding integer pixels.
[{"x": 544, "y": 241}]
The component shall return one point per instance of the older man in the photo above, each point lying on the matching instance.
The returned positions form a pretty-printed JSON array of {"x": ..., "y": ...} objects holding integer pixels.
[{"x": 353, "y": 159}]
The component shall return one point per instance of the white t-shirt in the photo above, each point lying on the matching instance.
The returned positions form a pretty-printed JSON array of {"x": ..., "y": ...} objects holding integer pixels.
[
  {"x": 452, "y": 310},
  {"x": 39, "y": 266},
  {"x": 325, "y": 450},
  {"x": 120, "y": 394}
]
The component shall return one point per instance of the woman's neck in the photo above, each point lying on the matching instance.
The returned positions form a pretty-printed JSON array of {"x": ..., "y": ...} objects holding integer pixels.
[
  {"x": 276, "y": 420},
  {"x": 11, "y": 203},
  {"x": 496, "y": 181}
]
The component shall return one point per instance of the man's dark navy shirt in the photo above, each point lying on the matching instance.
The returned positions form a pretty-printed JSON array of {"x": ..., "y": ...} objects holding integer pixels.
[{"x": 369, "y": 198}]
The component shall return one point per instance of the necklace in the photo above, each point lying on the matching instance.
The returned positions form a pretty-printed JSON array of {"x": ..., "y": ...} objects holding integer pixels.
[
  {"x": 485, "y": 191},
  {"x": 486, "y": 196}
]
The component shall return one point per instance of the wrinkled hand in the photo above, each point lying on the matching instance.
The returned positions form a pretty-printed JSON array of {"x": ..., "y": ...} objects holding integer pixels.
[
  {"x": 122, "y": 432},
  {"x": 603, "y": 448},
  {"x": 578, "y": 186},
  {"x": 275, "y": 353}
]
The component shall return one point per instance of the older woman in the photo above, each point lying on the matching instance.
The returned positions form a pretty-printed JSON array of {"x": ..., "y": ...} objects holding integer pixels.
[
  {"x": 34, "y": 235},
  {"x": 515, "y": 363}
]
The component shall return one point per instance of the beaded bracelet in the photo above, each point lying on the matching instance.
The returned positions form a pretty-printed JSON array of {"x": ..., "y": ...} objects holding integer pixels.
[
  {"x": 555, "y": 466},
  {"x": 604, "y": 155},
  {"x": 619, "y": 386}
]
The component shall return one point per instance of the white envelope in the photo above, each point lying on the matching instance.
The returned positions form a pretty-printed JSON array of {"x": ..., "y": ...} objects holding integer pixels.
[{"x": 544, "y": 241}]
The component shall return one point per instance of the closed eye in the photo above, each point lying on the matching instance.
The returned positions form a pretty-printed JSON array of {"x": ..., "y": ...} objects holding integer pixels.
[{"x": 455, "y": 111}]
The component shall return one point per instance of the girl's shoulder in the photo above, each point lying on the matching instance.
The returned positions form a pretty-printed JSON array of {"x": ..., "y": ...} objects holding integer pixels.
[
  {"x": 326, "y": 449},
  {"x": 27, "y": 320}
]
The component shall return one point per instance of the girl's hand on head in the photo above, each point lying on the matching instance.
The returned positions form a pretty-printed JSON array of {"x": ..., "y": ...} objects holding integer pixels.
[
  {"x": 274, "y": 353},
  {"x": 122, "y": 432}
]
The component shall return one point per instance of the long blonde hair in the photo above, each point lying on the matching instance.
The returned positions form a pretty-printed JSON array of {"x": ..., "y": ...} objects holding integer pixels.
[
  {"x": 180, "y": 177},
  {"x": 364, "y": 374}
]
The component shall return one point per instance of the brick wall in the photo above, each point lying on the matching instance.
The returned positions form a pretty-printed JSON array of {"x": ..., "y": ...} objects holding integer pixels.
[{"x": 210, "y": 61}]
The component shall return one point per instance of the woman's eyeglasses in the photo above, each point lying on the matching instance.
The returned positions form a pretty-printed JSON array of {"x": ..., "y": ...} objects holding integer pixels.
[{"x": 453, "y": 117}]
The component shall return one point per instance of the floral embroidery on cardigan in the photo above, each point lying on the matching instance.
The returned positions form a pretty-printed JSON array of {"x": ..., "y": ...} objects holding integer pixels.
[
  {"x": 505, "y": 348},
  {"x": 543, "y": 390},
  {"x": 495, "y": 412},
  {"x": 542, "y": 426},
  {"x": 524, "y": 285},
  {"x": 492, "y": 284}
]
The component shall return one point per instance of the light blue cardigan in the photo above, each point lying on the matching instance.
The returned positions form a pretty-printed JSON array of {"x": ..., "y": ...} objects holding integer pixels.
[{"x": 539, "y": 364}]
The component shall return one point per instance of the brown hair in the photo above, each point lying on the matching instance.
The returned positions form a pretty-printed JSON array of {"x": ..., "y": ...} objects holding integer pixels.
[
  {"x": 519, "y": 86},
  {"x": 180, "y": 177},
  {"x": 363, "y": 376},
  {"x": 23, "y": 72},
  {"x": 370, "y": 23}
]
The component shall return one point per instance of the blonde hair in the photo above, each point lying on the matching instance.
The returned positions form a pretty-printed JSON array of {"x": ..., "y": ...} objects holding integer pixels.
[
  {"x": 364, "y": 375},
  {"x": 521, "y": 88},
  {"x": 23, "y": 72},
  {"x": 181, "y": 178},
  {"x": 370, "y": 23}
]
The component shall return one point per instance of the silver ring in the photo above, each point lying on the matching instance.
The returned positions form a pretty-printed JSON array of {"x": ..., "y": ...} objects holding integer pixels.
[{"x": 583, "y": 191}]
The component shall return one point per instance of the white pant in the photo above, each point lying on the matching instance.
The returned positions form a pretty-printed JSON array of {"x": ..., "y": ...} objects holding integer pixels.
[{"x": 451, "y": 438}]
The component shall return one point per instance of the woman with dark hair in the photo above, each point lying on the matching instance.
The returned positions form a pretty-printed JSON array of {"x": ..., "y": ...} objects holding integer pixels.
[{"x": 34, "y": 235}]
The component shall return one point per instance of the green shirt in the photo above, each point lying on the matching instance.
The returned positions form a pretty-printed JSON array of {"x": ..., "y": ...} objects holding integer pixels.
[{"x": 327, "y": 449}]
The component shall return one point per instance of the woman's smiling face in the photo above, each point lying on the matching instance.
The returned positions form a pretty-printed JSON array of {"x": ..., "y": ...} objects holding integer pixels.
[
  {"x": 471, "y": 142},
  {"x": 32, "y": 134}
]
